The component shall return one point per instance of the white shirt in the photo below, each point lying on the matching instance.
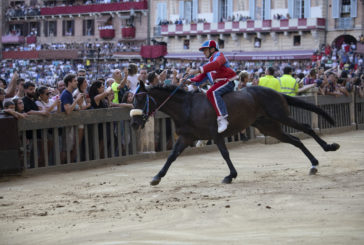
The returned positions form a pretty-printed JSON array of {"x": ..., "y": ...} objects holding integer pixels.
[
  {"x": 45, "y": 106},
  {"x": 133, "y": 83}
]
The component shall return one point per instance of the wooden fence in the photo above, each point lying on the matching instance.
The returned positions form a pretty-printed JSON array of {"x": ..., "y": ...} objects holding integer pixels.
[{"x": 105, "y": 134}]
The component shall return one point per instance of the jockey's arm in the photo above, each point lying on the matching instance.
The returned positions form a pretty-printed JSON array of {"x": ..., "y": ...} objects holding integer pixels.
[{"x": 213, "y": 65}]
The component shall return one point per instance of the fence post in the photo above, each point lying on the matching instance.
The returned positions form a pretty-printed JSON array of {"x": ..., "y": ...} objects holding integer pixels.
[
  {"x": 314, "y": 116},
  {"x": 352, "y": 110},
  {"x": 9, "y": 145}
]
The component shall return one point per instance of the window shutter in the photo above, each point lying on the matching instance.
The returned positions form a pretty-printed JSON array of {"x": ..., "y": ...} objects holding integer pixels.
[
  {"x": 84, "y": 23},
  {"x": 290, "y": 8},
  {"x": 353, "y": 8},
  {"x": 252, "y": 9},
  {"x": 307, "y": 9},
  {"x": 181, "y": 9},
  {"x": 64, "y": 28},
  {"x": 336, "y": 4},
  {"x": 188, "y": 11},
  {"x": 267, "y": 10},
  {"x": 230, "y": 8},
  {"x": 46, "y": 23},
  {"x": 195, "y": 10},
  {"x": 215, "y": 11}
]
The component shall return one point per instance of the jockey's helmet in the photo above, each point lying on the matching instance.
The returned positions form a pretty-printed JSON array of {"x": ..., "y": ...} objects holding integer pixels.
[{"x": 209, "y": 44}]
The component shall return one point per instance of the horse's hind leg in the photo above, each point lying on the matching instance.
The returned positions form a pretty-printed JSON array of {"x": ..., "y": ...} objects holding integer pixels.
[
  {"x": 273, "y": 128},
  {"x": 308, "y": 130},
  {"x": 225, "y": 154},
  {"x": 178, "y": 148}
]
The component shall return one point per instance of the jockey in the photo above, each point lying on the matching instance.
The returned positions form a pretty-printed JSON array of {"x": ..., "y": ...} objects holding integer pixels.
[{"x": 218, "y": 72}]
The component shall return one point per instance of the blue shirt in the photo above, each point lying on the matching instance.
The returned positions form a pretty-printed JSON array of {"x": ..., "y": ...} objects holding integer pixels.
[{"x": 66, "y": 98}]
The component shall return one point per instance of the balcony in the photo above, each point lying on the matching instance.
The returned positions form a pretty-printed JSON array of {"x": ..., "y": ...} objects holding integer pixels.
[
  {"x": 128, "y": 32},
  {"x": 12, "y": 39},
  {"x": 31, "y": 39},
  {"x": 93, "y": 8},
  {"x": 244, "y": 26},
  {"x": 344, "y": 23},
  {"x": 107, "y": 32}
]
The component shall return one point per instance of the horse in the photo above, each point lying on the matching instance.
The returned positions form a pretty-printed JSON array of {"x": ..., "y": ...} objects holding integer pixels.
[{"x": 195, "y": 119}]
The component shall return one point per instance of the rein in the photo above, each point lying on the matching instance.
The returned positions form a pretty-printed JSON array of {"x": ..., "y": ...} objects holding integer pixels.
[{"x": 146, "y": 106}]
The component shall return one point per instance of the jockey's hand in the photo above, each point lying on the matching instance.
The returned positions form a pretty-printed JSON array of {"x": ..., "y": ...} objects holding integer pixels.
[
  {"x": 187, "y": 81},
  {"x": 193, "y": 72}
]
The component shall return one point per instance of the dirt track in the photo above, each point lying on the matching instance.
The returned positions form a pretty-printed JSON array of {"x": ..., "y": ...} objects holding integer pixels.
[{"x": 273, "y": 200}]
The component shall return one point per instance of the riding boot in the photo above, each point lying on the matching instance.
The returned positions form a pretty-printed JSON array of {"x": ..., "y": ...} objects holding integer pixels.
[{"x": 222, "y": 123}]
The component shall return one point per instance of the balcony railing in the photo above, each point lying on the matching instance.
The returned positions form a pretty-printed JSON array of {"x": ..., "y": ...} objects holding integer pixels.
[
  {"x": 344, "y": 23},
  {"x": 243, "y": 26},
  {"x": 128, "y": 32},
  {"x": 92, "y": 8}
]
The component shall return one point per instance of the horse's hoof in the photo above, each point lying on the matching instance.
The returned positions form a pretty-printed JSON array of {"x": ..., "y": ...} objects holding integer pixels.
[
  {"x": 155, "y": 181},
  {"x": 227, "y": 180},
  {"x": 313, "y": 171},
  {"x": 335, "y": 146}
]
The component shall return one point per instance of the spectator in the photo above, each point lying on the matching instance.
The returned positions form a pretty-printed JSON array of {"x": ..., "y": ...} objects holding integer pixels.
[
  {"x": 19, "y": 106},
  {"x": 269, "y": 80},
  {"x": 243, "y": 80},
  {"x": 60, "y": 86},
  {"x": 67, "y": 102},
  {"x": 9, "y": 108},
  {"x": 119, "y": 86},
  {"x": 98, "y": 95},
  {"x": 143, "y": 75},
  {"x": 288, "y": 84},
  {"x": 2, "y": 98},
  {"x": 30, "y": 107},
  {"x": 84, "y": 102},
  {"x": 45, "y": 103},
  {"x": 132, "y": 82},
  {"x": 20, "y": 88}
]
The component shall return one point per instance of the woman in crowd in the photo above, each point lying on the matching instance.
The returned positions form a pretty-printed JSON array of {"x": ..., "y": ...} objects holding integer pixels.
[
  {"x": 83, "y": 104},
  {"x": 45, "y": 103},
  {"x": 97, "y": 97}
]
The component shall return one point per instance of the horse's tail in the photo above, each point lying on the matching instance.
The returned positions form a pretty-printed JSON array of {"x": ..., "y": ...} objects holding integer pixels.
[{"x": 293, "y": 101}]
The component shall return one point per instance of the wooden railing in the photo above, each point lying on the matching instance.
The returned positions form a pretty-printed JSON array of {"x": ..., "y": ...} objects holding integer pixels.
[{"x": 105, "y": 135}]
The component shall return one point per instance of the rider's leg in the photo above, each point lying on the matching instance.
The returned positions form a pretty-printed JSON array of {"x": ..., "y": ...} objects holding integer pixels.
[{"x": 214, "y": 95}]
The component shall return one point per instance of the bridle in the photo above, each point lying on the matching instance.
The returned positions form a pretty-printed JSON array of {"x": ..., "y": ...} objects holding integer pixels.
[{"x": 145, "y": 113}]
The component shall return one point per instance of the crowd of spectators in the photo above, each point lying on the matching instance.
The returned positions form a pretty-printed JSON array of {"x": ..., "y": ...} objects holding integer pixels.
[{"x": 20, "y": 9}]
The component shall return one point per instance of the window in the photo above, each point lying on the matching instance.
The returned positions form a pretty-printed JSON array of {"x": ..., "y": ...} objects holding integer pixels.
[
  {"x": 221, "y": 43},
  {"x": 50, "y": 28},
  {"x": 88, "y": 27},
  {"x": 68, "y": 28},
  {"x": 34, "y": 29},
  {"x": 296, "y": 40},
  {"x": 188, "y": 10},
  {"x": 299, "y": 8},
  {"x": 161, "y": 13},
  {"x": 257, "y": 42},
  {"x": 186, "y": 44}
]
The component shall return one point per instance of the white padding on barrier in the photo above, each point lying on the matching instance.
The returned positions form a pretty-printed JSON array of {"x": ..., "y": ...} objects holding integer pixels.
[{"x": 136, "y": 112}]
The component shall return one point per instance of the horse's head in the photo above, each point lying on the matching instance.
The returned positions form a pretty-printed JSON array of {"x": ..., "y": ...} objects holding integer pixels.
[{"x": 144, "y": 104}]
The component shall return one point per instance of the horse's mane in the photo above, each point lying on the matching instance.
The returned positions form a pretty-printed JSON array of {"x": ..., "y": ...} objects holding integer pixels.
[{"x": 170, "y": 88}]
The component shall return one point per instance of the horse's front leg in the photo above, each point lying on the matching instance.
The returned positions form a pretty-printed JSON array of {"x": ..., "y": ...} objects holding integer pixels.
[
  {"x": 225, "y": 154},
  {"x": 178, "y": 148}
]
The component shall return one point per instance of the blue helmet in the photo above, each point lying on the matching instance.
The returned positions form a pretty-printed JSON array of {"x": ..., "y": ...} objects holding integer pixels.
[{"x": 209, "y": 44}]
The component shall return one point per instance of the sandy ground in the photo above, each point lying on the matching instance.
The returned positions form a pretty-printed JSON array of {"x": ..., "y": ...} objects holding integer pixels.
[{"x": 273, "y": 200}]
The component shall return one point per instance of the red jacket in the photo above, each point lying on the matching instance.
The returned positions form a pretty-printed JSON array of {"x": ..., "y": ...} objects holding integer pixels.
[{"x": 217, "y": 67}]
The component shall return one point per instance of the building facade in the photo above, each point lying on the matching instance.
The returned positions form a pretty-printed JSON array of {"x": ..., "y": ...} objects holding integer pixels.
[
  {"x": 79, "y": 22},
  {"x": 256, "y": 29}
]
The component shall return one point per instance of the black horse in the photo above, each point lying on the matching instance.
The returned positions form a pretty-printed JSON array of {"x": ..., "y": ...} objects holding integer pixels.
[{"x": 195, "y": 119}]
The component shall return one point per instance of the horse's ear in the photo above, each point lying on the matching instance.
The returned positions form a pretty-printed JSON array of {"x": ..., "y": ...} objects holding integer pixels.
[{"x": 141, "y": 86}]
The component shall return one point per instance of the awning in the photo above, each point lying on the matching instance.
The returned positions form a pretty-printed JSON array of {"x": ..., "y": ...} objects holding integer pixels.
[
  {"x": 153, "y": 51},
  {"x": 127, "y": 56},
  {"x": 12, "y": 39},
  {"x": 256, "y": 55}
]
